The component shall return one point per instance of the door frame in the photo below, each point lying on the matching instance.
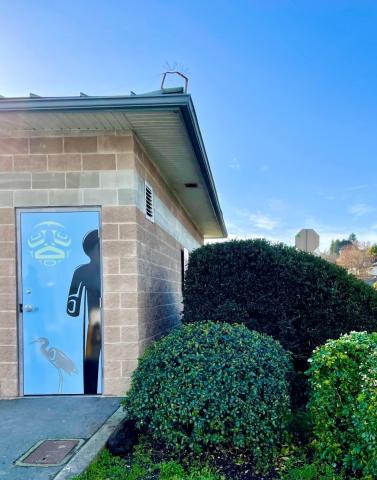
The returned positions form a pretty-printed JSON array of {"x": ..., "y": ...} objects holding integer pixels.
[{"x": 20, "y": 324}]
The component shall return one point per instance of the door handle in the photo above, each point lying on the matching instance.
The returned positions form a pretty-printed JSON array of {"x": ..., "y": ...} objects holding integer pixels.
[{"x": 28, "y": 308}]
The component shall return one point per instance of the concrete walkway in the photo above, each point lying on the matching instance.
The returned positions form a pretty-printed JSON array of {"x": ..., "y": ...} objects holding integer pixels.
[{"x": 25, "y": 421}]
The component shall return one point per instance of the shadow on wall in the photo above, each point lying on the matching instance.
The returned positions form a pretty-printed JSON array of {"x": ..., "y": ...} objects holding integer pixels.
[{"x": 162, "y": 306}]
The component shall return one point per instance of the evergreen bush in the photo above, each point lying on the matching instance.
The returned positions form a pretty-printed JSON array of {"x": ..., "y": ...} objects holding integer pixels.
[
  {"x": 297, "y": 298},
  {"x": 343, "y": 402},
  {"x": 210, "y": 385}
]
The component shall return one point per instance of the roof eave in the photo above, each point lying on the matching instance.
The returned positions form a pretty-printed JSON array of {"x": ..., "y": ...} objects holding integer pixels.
[
  {"x": 183, "y": 102},
  {"x": 193, "y": 129}
]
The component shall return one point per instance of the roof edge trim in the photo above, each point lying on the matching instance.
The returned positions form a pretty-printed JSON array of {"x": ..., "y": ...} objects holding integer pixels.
[{"x": 92, "y": 103}]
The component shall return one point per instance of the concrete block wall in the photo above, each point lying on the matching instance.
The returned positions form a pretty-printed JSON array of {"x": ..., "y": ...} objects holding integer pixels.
[
  {"x": 8, "y": 320},
  {"x": 141, "y": 260},
  {"x": 159, "y": 252},
  {"x": 95, "y": 170}
]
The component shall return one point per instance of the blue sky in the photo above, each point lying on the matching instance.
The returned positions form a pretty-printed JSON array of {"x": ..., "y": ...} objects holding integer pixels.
[{"x": 285, "y": 91}]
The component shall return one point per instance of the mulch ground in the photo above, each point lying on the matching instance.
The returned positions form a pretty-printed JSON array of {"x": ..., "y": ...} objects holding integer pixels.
[{"x": 238, "y": 470}]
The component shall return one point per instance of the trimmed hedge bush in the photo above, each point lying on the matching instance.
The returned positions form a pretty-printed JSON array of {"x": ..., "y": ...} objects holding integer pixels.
[
  {"x": 297, "y": 298},
  {"x": 343, "y": 402},
  {"x": 213, "y": 385}
]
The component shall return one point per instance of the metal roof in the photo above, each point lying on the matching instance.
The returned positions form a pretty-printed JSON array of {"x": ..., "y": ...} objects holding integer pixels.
[{"x": 164, "y": 121}]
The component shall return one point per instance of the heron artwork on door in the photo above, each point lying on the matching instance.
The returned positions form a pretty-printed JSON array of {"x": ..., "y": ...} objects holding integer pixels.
[{"x": 60, "y": 301}]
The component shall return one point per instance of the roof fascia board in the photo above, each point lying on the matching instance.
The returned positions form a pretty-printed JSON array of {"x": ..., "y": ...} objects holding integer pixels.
[
  {"x": 92, "y": 103},
  {"x": 192, "y": 125}
]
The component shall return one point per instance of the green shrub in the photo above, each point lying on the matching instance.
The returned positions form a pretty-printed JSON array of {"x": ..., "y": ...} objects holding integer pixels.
[
  {"x": 300, "y": 427},
  {"x": 174, "y": 471},
  {"x": 203, "y": 473},
  {"x": 109, "y": 467},
  {"x": 297, "y": 298},
  {"x": 343, "y": 402},
  {"x": 171, "y": 470},
  {"x": 213, "y": 385},
  {"x": 313, "y": 471},
  {"x": 105, "y": 466}
]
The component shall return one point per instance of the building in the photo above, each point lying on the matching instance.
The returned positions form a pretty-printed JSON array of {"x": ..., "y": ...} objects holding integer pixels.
[{"x": 101, "y": 199}]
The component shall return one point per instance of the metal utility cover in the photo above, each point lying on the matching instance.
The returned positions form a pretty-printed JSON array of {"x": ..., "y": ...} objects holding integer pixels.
[
  {"x": 48, "y": 453},
  {"x": 307, "y": 240}
]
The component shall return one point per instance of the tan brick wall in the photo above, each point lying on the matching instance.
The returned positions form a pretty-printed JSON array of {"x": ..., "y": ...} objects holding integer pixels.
[
  {"x": 148, "y": 171},
  {"x": 121, "y": 345},
  {"x": 8, "y": 324},
  {"x": 141, "y": 261},
  {"x": 159, "y": 258},
  {"x": 159, "y": 286}
]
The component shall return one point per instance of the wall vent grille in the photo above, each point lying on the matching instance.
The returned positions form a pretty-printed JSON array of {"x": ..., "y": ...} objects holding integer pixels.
[{"x": 149, "y": 207}]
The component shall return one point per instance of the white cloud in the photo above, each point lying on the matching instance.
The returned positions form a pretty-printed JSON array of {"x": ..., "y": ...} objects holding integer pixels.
[
  {"x": 235, "y": 164},
  {"x": 264, "y": 222},
  {"x": 276, "y": 204},
  {"x": 244, "y": 224},
  {"x": 286, "y": 236},
  {"x": 353, "y": 188},
  {"x": 359, "y": 209},
  {"x": 327, "y": 196}
]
